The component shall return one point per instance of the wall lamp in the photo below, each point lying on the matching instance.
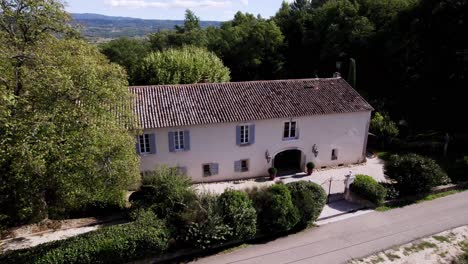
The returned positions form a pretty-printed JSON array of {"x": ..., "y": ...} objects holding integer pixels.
[
  {"x": 314, "y": 150},
  {"x": 267, "y": 156}
]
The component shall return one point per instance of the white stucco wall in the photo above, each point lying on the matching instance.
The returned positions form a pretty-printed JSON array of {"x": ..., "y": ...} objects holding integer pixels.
[{"x": 216, "y": 143}]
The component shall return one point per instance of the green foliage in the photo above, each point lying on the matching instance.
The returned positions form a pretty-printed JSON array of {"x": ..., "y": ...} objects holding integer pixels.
[
  {"x": 382, "y": 126},
  {"x": 145, "y": 237},
  {"x": 60, "y": 103},
  {"x": 414, "y": 174},
  {"x": 369, "y": 189},
  {"x": 352, "y": 73},
  {"x": 310, "y": 165},
  {"x": 275, "y": 209},
  {"x": 127, "y": 53},
  {"x": 250, "y": 46},
  {"x": 272, "y": 170},
  {"x": 309, "y": 199},
  {"x": 165, "y": 192},
  {"x": 238, "y": 213},
  {"x": 181, "y": 66},
  {"x": 191, "y": 23},
  {"x": 204, "y": 224}
]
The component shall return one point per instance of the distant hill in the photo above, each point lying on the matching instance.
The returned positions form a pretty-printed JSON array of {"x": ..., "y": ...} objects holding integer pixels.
[{"x": 96, "y": 26}]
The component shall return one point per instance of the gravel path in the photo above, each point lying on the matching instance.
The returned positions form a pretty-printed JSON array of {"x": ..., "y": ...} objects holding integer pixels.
[{"x": 373, "y": 167}]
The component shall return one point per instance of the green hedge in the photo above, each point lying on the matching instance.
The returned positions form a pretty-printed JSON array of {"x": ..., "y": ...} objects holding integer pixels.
[
  {"x": 309, "y": 198},
  {"x": 145, "y": 237},
  {"x": 238, "y": 212},
  {"x": 369, "y": 189},
  {"x": 275, "y": 209},
  {"x": 414, "y": 174}
]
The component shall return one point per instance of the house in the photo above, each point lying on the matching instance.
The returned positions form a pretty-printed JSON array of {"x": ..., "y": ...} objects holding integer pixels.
[{"x": 229, "y": 131}]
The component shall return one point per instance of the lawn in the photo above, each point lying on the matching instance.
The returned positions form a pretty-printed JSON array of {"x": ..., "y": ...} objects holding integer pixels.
[{"x": 405, "y": 202}]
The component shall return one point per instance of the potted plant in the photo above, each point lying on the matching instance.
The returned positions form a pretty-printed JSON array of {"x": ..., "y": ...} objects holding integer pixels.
[
  {"x": 310, "y": 167},
  {"x": 272, "y": 172}
]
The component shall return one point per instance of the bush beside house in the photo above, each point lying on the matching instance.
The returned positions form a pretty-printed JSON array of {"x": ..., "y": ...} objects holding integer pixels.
[
  {"x": 369, "y": 189},
  {"x": 309, "y": 199},
  {"x": 414, "y": 174},
  {"x": 238, "y": 213},
  {"x": 275, "y": 209}
]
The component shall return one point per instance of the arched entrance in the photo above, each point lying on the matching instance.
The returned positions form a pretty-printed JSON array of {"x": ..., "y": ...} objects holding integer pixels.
[{"x": 288, "y": 161}]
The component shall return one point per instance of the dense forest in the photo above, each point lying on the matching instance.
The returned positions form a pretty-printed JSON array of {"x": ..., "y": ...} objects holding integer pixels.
[{"x": 410, "y": 57}]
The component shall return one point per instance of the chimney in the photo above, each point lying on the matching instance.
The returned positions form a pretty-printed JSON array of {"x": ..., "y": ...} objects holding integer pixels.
[{"x": 336, "y": 75}]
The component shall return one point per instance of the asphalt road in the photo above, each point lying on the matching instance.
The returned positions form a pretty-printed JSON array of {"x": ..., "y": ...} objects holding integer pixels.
[{"x": 356, "y": 237}]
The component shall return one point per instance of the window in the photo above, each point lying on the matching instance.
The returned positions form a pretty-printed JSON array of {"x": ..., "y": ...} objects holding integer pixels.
[
  {"x": 244, "y": 165},
  {"x": 244, "y": 134},
  {"x": 145, "y": 144},
  {"x": 179, "y": 140},
  {"x": 289, "y": 130},
  {"x": 334, "y": 155},
  {"x": 206, "y": 170},
  {"x": 210, "y": 169}
]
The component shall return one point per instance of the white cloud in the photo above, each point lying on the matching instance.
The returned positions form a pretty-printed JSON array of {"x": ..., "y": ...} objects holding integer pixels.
[
  {"x": 171, "y": 3},
  {"x": 245, "y": 2}
]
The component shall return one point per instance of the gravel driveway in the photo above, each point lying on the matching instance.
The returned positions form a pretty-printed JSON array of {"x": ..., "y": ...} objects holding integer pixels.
[{"x": 373, "y": 167}]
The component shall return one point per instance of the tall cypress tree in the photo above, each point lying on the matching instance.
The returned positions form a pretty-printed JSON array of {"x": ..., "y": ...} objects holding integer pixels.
[{"x": 352, "y": 73}]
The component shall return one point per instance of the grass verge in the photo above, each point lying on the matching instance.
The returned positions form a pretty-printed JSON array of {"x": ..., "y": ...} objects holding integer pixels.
[{"x": 405, "y": 202}]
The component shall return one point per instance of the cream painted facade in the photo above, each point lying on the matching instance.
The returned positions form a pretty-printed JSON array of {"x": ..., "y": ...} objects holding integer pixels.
[{"x": 216, "y": 143}]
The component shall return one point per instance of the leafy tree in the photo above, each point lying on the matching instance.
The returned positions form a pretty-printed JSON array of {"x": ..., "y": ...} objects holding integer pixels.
[
  {"x": 191, "y": 23},
  {"x": 250, "y": 46},
  {"x": 61, "y": 102},
  {"x": 127, "y": 53},
  {"x": 382, "y": 126},
  {"x": 184, "y": 65},
  {"x": 165, "y": 192},
  {"x": 190, "y": 34},
  {"x": 414, "y": 174},
  {"x": 238, "y": 213}
]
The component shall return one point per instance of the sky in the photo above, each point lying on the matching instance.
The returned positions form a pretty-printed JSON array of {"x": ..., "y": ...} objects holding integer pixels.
[{"x": 219, "y": 10}]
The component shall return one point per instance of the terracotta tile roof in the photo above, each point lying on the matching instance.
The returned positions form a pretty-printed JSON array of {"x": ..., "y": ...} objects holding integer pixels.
[{"x": 207, "y": 103}]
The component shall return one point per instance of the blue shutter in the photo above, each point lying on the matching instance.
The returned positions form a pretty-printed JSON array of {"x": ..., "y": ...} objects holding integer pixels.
[
  {"x": 238, "y": 135},
  {"x": 152, "y": 141},
  {"x": 237, "y": 166},
  {"x": 137, "y": 145},
  {"x": 214, "y": 167},
  {"x": 186, "y": 140},
  {"x": 252, "y": 134},
  {"x": 171, "y": 141}
]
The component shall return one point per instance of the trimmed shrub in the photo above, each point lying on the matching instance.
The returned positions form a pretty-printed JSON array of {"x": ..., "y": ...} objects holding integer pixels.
[
  {"x": 145, "y": 237},
  {"x": 238, "y": 213},
  {"x": 272, "y": 170},
  {"x": 414, "y": 174},
  {"x": 203, "y": 224},
  {"x": 309, "y": 198},
  {"x": 165, "y": 192},
  {"x": 310, "y": 165},
  {"x": 369, "y": 189},
  {"x": 275, "y": 209}
]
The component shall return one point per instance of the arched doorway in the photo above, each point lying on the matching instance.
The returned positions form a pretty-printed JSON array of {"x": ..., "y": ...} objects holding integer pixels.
[{"x": 288, "y": 161}]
